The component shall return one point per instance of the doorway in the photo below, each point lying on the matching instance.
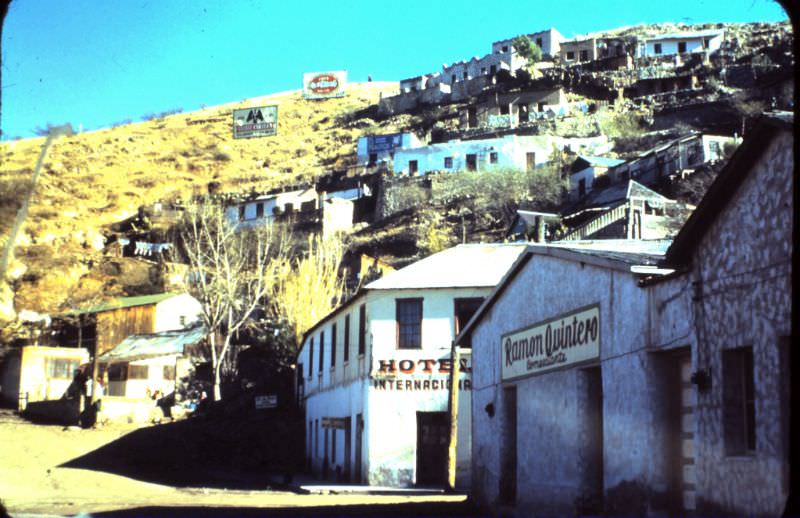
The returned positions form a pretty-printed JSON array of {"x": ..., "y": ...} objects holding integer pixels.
[
  {"x": 508, "y": 448},
  {"x": 347, "y": 448},
  {"x": 359, "y": 442},
  {"x": 433, "y": 434},
  {"x": 593, "y": 483}
]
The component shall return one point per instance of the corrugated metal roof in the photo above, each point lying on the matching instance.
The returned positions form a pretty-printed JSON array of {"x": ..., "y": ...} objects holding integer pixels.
[
  {"x": 125, "y": 302},
  {"x": 634, "y": 251},
  {"x": 463, "y": 266},
  {"x": 137, "y": 347}
]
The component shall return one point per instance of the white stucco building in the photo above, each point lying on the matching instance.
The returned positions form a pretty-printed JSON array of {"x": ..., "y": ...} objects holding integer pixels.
[
  {"x": 374, "y": 149},
  {"x": 682, "y": 42},
  {"x": 374, "y": 374},
  {"x": 510, "y": 151},
  {"x": 262, "y": 210}
]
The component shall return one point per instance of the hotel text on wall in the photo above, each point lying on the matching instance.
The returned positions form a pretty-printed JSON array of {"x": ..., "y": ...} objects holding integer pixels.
[{"x": 558, "y": 342}]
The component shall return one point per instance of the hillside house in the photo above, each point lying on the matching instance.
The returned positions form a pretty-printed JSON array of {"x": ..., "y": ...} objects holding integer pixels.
[
  {"x": 373, "y": 374},
  {"x": 263, "y": 209},
  {"x": 675, "y": 157},
  {"x": 578, "y": 50},
  {"x": 374, "y": 149},
  {"x": 624, "y": 210},
  {"x": 585, "y": 170},
  {"x": 510, "y": 151},
  {"x": 549, "y": 41},
  {"x": 682, "y": 42},
  {"x": 510, "y": 110},
  {"x": 533, "y": 226}
]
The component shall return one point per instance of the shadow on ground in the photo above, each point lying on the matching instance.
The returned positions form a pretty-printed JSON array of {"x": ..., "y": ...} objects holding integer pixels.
[
  {"x": 410, "y": 509},
  {"x": 252, "y": 452}
]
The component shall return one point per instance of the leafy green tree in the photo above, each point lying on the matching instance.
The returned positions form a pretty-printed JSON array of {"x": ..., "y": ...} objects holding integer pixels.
[{"x": 527, "y": 49}]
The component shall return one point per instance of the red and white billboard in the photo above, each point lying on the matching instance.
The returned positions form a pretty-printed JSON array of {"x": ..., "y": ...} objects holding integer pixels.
[{"x": 324, "y": 85}]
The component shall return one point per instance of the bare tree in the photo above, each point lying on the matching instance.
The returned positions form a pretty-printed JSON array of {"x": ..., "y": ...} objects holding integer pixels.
[{"x": 232, "y": 271}]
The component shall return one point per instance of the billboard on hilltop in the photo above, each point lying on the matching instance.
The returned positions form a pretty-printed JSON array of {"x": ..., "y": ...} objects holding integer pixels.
[
  {"x": 259, "y": 121},
  {"x": 324, "y": 85}
]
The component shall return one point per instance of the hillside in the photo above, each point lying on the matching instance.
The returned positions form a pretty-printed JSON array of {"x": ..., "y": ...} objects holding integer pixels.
[{"x": 100, "y": 177}]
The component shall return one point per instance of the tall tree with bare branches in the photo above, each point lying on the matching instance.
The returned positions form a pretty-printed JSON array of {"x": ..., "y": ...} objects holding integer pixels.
[{"x": 232, "y": 272}]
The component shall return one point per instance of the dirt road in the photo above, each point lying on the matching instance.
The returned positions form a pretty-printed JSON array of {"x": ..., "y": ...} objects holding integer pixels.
[{"x": 33, "y": 481}]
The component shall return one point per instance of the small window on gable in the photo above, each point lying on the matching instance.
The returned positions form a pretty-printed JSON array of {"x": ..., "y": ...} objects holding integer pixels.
[{"x": 738, "y": 401}]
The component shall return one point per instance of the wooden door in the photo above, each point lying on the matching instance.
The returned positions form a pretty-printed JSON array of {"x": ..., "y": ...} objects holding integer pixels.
[{"x": 432, "y": 440}]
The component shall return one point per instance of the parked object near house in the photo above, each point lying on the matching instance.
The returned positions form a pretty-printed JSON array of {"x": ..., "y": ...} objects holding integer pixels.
[
  {"x": 510, "y": 151},
  {"x": 373, "y": 374},
  {"x": 145, "y": 368},
  {"x": 682, "y": 42},
  {"x": 631, "y": 383},
  {"x": 35, "y": 373}
]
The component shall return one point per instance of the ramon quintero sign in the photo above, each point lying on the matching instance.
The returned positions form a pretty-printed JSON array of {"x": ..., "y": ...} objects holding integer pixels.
[
  {"x": 324, "y": 85},
  {"x": 557, "y": 342},
  {"x": 260, "y": 121}
]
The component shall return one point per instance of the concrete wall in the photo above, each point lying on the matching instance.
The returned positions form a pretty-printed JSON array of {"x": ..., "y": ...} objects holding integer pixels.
[
  {"x": 337, "y": 216},
  {"x": 176, "y": 312},
  {"x": 743, "y": 265},
  {"x": 670, "y": 46},
  {"x": 406, "y": 140},
  {"x": 552, "y": 423},
  {"x": 269, "y": 203}
]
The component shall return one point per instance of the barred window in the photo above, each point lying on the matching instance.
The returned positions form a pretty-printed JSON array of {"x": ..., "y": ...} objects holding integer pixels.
[
  {"x": 738, "y": 398},
  {"x": 409, "y": 323},
  {"x": 61, "y": 368}
]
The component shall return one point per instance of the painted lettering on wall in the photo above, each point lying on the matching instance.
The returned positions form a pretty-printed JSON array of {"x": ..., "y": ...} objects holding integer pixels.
[
  {"x": 553, "y": 343},
  {"x": 427, "y": 366},
  {"x": 419, "y": 384}
]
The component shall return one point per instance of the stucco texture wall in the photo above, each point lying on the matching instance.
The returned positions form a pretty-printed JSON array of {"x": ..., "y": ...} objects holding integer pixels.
[{"x": 743, "y": 264}]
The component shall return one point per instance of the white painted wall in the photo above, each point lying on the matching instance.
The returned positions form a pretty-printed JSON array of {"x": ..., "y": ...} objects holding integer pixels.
[
  {"x": 295, "y": 198},
  {"x": 155, "y": 381},
  {"x": 670, "y": 46},
  {"x": 171, "y": 311},
  {"x": 511, "y": 152},
  {"x": 407, "y": 141},
  {"x": 345, "y": 389}
]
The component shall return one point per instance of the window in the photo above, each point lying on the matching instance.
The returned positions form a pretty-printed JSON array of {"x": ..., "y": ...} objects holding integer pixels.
[
  {"x": 62, "y": 368},
  {"x": 505, "y": 48},
  {"x": 448, "y": 162},
  {"x": 681, "y": 46},
  {"x": 493, "y": 69},
  {"x": 504, "y": 109},
  {"x": 738, "y": 401},
  {"x": 464, "y": 309},
  {"x": 584, "y": 55},
  {"x": 413, "y": 167},
  {"x": 169, "y": 372},
  {"x": 373, "y": 158},
  {"x": 333, "y": 345},
  {"x": 241, "y": 212},
  {"x": 321, "y": 351},
  {"x": 493, "y": 157},
  {"x": 582, "y": 187},
  {"x": 570, "y": 55},
  {"x": 713, "y": 147},
  {"x": 539, "y": 42},
  {"x": 311, "y": 357},
  {"x": 138, "y": 372},
  {"x": 362, "y": 329},
  {"x": 259, "y": 210},
  {"x": 347, "y": 338},
  {"x": 657, "y": 48},
  {"x": 117, "y": 372},
  {"x": 409, "y": 323},
  {"x": 182, "y": 320},
  {"x": 452, "y": 79},
  {"x": 466, "y": 75},
  {"x": 483, "y": 71}
]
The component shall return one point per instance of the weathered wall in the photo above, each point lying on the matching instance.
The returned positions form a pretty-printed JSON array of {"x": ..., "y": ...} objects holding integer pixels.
[
  {"x": 744, "y": 267},
  {"x": 117, "y": 324}
]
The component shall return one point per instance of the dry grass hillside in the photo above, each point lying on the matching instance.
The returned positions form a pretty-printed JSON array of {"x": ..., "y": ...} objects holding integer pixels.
[{"x": 96, "y": 178}]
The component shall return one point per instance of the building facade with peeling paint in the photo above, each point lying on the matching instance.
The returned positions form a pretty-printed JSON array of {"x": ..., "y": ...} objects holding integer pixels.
[{"x": 373, "y": 375}]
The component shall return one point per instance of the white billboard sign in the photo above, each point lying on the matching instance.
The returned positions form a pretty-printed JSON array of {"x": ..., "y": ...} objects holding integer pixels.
[
  {"x": 260, "y": 121},
  {"x": 324, "y": 85},
  {"x": 555, "y": 343}
]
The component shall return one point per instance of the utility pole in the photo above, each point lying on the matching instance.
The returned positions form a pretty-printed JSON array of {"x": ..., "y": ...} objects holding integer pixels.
[{"x": 452, "y": 406}]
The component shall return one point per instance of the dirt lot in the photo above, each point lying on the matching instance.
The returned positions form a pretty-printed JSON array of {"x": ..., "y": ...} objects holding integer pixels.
[{"x": 35, "y": 480}]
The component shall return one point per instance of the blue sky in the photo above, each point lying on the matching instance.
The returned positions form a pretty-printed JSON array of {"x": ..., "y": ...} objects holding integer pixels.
[{"x": 96, "y": 62}]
